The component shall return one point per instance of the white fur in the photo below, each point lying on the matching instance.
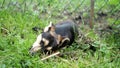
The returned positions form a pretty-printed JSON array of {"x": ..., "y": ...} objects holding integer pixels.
[
  {"x": 36, "y": 44},
  {"x": 39, "y": 38}
]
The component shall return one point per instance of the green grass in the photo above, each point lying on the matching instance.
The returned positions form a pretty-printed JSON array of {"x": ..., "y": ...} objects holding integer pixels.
[{"x": 17, "y": 36}]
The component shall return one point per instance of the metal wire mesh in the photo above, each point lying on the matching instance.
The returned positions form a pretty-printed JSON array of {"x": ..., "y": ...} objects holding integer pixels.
[{"x": 64, "y": 8}]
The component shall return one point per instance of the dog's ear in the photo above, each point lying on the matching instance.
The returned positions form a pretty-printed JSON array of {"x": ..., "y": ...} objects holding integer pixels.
[
  {"x": 50, "y": 27},
  {"x": 52, "y": 31}
]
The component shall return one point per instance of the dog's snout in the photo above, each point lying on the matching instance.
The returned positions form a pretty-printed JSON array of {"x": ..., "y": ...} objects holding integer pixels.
[{"x": 31, "y": 53}]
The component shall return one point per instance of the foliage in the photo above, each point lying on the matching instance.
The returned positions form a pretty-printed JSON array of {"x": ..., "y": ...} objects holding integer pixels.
[{"x": 18, "y": 17}]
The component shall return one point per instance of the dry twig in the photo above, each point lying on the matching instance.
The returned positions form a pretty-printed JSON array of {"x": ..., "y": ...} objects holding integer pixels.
[{"x": 54, "y": 54}]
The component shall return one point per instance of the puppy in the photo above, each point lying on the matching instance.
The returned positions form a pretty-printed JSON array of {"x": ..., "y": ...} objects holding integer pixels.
[{"x": 55, "y": 37}]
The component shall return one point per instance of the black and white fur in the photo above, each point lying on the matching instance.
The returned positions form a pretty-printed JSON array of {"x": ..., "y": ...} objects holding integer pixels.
[{"x": 55, "y": 37}]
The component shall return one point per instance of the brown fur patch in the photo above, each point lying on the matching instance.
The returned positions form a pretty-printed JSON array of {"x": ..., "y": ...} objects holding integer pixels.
[{"x": 46, "y": 42}]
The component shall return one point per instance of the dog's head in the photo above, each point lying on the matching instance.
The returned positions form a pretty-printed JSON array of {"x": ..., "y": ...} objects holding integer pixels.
[{"x": 48, "y": 40}]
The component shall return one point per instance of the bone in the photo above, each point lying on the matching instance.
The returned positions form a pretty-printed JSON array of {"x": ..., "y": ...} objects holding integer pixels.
[{"x": 54, "y": 54}]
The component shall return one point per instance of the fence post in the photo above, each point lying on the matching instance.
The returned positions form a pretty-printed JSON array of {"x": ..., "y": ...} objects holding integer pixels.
[{"x": 91, "y": 14}]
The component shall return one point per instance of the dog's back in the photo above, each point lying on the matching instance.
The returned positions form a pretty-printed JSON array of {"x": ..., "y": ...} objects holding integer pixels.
[{"x": 68, "y": 29}]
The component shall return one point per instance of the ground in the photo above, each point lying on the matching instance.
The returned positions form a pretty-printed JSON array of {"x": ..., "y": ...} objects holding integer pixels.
[{"x": 21, "y": 22}]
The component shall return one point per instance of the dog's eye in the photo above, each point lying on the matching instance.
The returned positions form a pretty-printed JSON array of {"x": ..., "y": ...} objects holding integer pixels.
[{"x": 41, "y": 42}]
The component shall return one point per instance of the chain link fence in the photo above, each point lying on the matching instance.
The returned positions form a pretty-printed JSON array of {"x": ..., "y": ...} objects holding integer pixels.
[{"x": 104, "y": 10}]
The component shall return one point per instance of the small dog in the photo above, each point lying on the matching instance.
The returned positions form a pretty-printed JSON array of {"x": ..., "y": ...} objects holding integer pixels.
[{"x": 55, "y": 37}]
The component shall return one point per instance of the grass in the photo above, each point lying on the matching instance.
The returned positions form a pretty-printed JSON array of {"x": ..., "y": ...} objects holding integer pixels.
[{"x": 16, "y": 37}]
